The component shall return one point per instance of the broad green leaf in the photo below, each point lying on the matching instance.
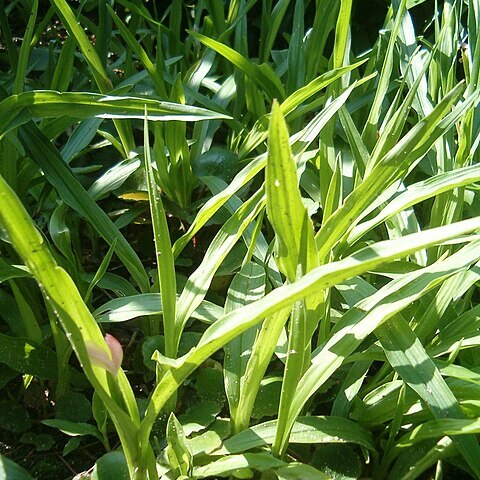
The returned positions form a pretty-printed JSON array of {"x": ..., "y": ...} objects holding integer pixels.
[
  {"x": 9, "y": 470},
  {"x": 304, "y": 93},
  {"x": 178, "y": 450},
  {"x": 14, "y": 417},
  {"x": 438, "y": 429},
  {"x": 127, "y": 308},
  {"x": 42, "y": 442},
  {"x": 341, "y": 462},
  {"x": 299, "y": 471},
  {"x": 111, "y": 465},
  {"x": 163, "y": 251},
  {"x": 73, "y": 428},
  {"x": 231, "y": 464},
  {"x": 295, "y": 245},
  {"x": 28, "y": 357},
  {"x": 198, "y": 417},
  {"x": 247, "y": 286},
  {"x": 315, "y": 429},
  {"x": 20, "y": 109}
]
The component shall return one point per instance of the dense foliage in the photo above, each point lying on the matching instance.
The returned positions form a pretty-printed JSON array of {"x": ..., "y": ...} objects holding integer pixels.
[{"x": 239, "y": 239}]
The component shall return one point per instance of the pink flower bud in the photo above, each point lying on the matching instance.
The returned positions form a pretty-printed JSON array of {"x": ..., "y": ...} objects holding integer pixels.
[{"x": 101, "y": 358}]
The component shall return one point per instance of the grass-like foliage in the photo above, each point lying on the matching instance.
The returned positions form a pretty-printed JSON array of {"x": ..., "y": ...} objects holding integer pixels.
[{"x": 239, "y": 239}]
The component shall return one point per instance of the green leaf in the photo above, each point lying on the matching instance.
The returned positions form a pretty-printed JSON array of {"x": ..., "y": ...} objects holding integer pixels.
[
  {"x": 9, "y": 470},
  {"x": 163, "y": 251},
  {"x": 101, "y": 271},
  {"x": 304, "y": 93},
  {"x": 339, "y": 462},
  {"x": 178, "y": 450},
  {"x": 21, "y": 108},
  {"x": 411, "y": 148},
  {"x": 42, "y": 442},
  {"x": 72, "y": 444},
  {"x": 77, "y": 32},
  {"x": 300, "y": 471},
  {"x": 215, "y": 203},
  {"x": 217, "y": 162},
  {"x": 14, "y": 417},
  {"x": 209, "y": 385},
  {"x": 28, "y": 357},
  {"x": 369, "y": 314},
  {"x": 25, "y": 50},
  {"x": 439, "y": 428},
  {"x": 111, "y": 465},
  {"x": 384, "y": 80},
  {"x": 74, "y": 407},
  {"x": 198, "y": 417},
  {"x": 295, "y": 244},
  {"x": 314, "y": 429},
  {"x": 134, "y": 306},
  {"x": 238, "y": 465},
  {"x": 73, "y": 429},
  {"x": 247, "y": 286},
  {"x": 267, "y": 81},
  {"x": 155, "y": 74},
  {"x": 268, "y": 398},
  {"x": 196, "y": 287}
]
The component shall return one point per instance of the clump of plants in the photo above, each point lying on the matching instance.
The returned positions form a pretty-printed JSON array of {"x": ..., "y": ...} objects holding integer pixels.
[{"x": 239, "y": 239}]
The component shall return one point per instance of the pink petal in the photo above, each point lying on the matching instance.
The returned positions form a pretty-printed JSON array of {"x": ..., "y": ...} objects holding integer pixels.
[
  {"x": 100, "y": 357},
  {"x": 116, "y": 351}
]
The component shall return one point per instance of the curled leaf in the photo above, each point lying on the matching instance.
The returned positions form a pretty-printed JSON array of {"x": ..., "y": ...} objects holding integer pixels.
[{"x": 100, "y": 357}]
